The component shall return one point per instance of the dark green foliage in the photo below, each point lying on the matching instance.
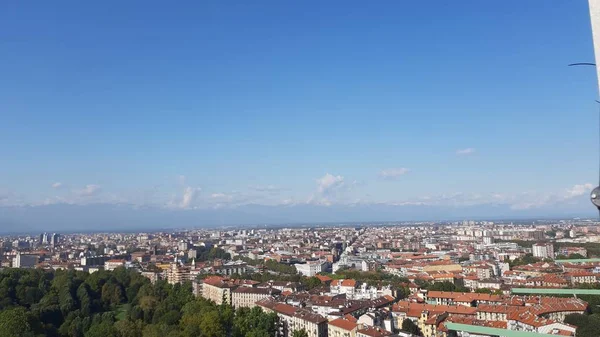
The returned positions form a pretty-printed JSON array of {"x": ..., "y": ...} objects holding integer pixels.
[
  {"x": 410, "y": 326},
  {"x": 280, "y": 267},
  {"x": 15, "y": 322},
  {"x": 571, "y": 256},
  {"x": 253, "y": 322},
  {"x": 524, "y": 260},
  {"x": 312, "y": 282},
  {"x": 120, "y": 303},
  {"x": 587, "y": 325},
  {"x": 204, "y": 254},
  {"x": 299, "y": 333}
]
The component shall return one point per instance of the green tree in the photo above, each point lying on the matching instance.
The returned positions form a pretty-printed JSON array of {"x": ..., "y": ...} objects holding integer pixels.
[
  {"x": 210, "y": 325},
  {"x": 587, "y": 325},
  {"x": 410, "y": 326},
  {"x": 524, "y": 260},
  {"x": 14, "y": 323},
  {"x": 312, "y": 282},
  {"x": 253, "y": 322},
  {"x": 104, "y": 329},
  {"x": 300, "y": 333},
  {"x": 127, "y": 328}
]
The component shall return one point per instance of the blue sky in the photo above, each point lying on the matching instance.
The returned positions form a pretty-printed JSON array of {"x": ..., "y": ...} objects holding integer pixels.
[{"x": 213, "y": 104}]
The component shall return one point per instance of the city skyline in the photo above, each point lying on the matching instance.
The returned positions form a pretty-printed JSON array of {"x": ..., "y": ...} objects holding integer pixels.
[{"x": 218, "y": 113}]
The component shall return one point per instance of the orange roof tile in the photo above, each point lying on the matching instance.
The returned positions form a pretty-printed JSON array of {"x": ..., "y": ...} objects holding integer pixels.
[{"x": 344, "y": 323}]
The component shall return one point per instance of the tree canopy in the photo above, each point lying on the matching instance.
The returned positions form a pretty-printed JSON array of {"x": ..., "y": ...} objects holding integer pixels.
[{"x": 121, "y": 303}]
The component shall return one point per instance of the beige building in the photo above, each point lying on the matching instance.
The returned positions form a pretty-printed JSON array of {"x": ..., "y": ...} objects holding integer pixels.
[
  {"x": 246, "y": 297},
  {"x": 219, "y": 289},
  {"x": 176, "y": 274},
  {"x": 343, "y": 327},
  {"x": 582, "y": 277}
]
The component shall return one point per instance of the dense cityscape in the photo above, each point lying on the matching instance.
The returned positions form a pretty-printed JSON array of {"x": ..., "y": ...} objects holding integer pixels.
[
  {"x": 408, "y": 279},
  {"x": 256, "y": 169}
]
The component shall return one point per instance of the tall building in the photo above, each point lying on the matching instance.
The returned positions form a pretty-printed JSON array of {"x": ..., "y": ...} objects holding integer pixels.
[
  {"x": 543, "y": 250},
  {"x": 183, "y": 246},
  {"x": 54, "y": 239}
]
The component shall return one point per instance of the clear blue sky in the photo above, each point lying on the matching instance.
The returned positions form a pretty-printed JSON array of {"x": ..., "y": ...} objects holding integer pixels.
[{"x": 254, "y": 101}]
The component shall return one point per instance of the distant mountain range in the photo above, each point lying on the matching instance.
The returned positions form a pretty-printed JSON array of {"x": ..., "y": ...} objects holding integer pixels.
[{"x": 122, "y": 217}]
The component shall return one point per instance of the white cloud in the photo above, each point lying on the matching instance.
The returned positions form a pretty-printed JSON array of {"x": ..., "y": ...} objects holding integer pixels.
[
  {"x": 57, "y": 185},
  {"x": 89, "y": 190},
  {"x": 579, "y": 189},
  {"x": 465, "y": 152},
  {"x": 328, "y": 187},
  {"x": 56, "y": 200},
  {"x": 531, "y": 200},
  {"x": 267, "y": 188},
  {"x": 329, "y": 182},
  {"x": 189, "y": 196},
  {"x": 222, "y": 197},
  {"x": 317, "y": 200},
  {"x": 393, "y": 173}
]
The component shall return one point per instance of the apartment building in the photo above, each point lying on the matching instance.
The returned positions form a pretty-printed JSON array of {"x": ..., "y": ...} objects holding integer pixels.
[{"x": 246, "y": 297}]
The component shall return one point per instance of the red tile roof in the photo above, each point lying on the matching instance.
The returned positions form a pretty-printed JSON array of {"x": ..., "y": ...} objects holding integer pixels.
[
  {"x": 324, "y": 278},
  {"x": 344, "y": 283},
  {"x": 374, "y": 332},
  {"x": 344, "y": 323}
]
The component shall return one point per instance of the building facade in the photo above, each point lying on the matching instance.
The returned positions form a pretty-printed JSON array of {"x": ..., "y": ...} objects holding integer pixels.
[
  {"x": 543, "y": 250},
  {"x": 246, "y": 297}
]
